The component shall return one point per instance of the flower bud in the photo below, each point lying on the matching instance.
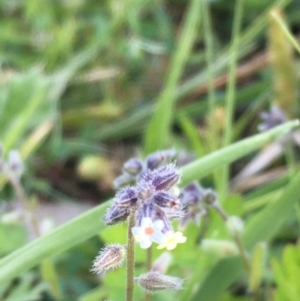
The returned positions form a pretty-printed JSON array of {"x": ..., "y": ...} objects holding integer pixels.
[
  {"x": 210, "y": 197},
  {"x": 162, "y": 178},
  {"x": 133, "y": 166},
  {"x": 271, "y": 119},
  {"x": 166, "y": 200},
  {"x": 154, "y": 160},
  {"x": 115, "y": 215},
  {"x": 235, "y": 225},
  {"x": 155, "y": 281},
  {"x": 123, "y": 180},
  {"x": 126, "y": 197},
  {"x": 162, "y": 263},
  {"x": 109, "y": 258}
]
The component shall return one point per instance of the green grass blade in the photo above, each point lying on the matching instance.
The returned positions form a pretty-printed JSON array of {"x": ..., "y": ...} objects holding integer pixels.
[
  {"x": 230, "y": 93},
  {"x": 135, "y": 123},
  {"x": 191, "y": 132},
  {"x": 158, "y": 130},
  {"x": 228, "y": 154},
  {"x": 90, "y": 223},
  {"x": 286, "y": 31}
]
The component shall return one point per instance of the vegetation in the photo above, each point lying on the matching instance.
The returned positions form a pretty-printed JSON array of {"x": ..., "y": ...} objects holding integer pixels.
[{"x": 87, "y": 85}]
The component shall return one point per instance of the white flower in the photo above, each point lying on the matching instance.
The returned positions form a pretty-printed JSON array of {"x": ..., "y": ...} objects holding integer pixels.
[
  {"x": 148, "y": 232},
  {"x": 171, "y": 240}
]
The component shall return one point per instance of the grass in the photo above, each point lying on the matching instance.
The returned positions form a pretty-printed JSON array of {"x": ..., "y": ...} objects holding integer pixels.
[{"x": 83, "y": 82}]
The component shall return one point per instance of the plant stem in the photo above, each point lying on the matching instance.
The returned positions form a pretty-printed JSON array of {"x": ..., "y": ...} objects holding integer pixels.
[
  {"x": 30, "y": 219},
  {"x": 236, "y": 237},
  {"x": 148, "y": 268},
  {"x": 208, "y": 36},
  {"x": 130, "y": 257}
]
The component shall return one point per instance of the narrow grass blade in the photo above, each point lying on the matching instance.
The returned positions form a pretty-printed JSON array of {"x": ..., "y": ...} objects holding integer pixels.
[
  {"x": 230, "y": 93},
  {"x": 158, "y": 129},
  {"x": 286, "y": 31},
  {"x": 230, "y": 153}
]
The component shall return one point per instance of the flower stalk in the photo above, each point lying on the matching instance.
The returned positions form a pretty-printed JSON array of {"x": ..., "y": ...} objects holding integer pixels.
[
  {"x": 236, "y": 236},
  {"x": 130, "y": 257},
  {"x": 148, "y": 268}
]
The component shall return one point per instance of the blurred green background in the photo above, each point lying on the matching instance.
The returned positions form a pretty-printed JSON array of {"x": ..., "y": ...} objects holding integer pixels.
[{"x": 79, "y": 83}]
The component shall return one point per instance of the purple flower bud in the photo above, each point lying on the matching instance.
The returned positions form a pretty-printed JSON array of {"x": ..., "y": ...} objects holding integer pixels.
[
  {"x": 145, "y": 191},
  {"x": 115, "y": 215},
  {"x": 161, "y": 215},
  {"x": 133, "y": 166},
  {"x": 192, "y": 194},
  {"x": 126, "y": 197},
  {"x": 123, "y": 180},
  {"x": 109, "y": 258},
  {"x": 174, "y": 214},
  {"x": 162, "y": 178},
  {"x": 155, "y": 160},
  {"x": 193, "y": 197},
  {"x": 155, "y": 281},
  {"x": 164, "y": 199},
  {"x": 271, "y": 119}
]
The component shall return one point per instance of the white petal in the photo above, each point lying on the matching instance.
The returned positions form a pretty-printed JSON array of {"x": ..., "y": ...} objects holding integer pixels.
[
  {"x": 146, "y": 221},
  {"x": 158, "y": 224},
  {"x": 158, "y": 237},
  {"x": 135, "y": 230},
  {"x": 145, "y": 243}
]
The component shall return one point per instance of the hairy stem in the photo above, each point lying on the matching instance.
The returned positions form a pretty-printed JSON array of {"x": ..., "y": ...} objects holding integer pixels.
[
  {"x": 130, "y": 258},
  {"x": 148, "y": 268}
]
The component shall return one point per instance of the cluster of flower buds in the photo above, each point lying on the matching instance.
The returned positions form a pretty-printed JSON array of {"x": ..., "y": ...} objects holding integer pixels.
[
  {"x": 134, "y": 168},
  {"x": 271, "y": 119},
  {"x": 155, "y": 200},
  {"x": 195, "y": 200}
]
